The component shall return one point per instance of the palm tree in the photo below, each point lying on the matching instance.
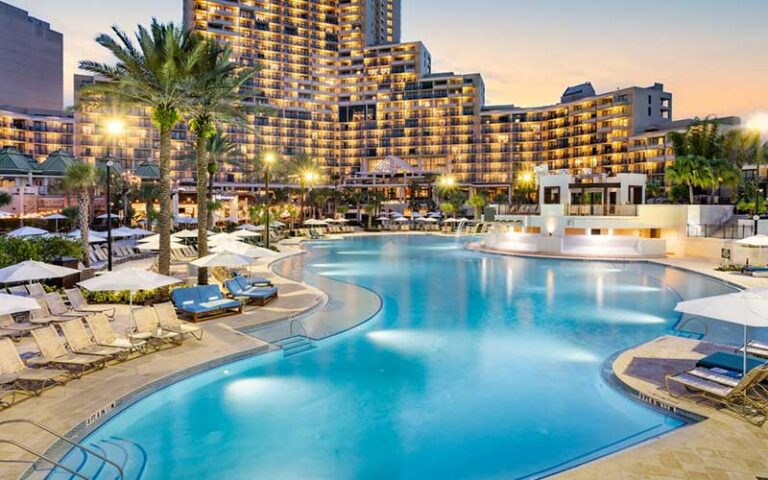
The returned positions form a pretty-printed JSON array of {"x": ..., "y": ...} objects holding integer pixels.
[
  {"x": 149, "y": 193},
  {"x": 302, "y": 170},
  {"x": 477, "y": 202},
  {"x": 5, "y": 199},
  {"x": 153, "y": 74},
  {"x": 216, "y": 95},
  {"x": 81, "y": 178},
  {"x": 724, "y": 173},
  {"x": 691, "y": 171},
  {"x": 219, "y": 148}
]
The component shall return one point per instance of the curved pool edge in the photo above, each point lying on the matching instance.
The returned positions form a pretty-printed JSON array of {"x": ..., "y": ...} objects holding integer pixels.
[{"x": 57, "y": 449}]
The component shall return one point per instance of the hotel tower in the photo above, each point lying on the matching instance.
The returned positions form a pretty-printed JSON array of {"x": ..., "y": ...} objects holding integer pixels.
[{"x": 347, "y": 92}]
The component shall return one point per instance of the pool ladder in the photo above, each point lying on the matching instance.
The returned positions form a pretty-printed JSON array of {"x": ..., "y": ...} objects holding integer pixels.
[
  {"x": 297, "y": 341},
  {"x": 58, "y": 465}
]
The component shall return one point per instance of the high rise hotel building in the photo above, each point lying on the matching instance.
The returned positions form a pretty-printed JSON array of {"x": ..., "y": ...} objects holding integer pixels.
[{"x": 346, "y": 91}]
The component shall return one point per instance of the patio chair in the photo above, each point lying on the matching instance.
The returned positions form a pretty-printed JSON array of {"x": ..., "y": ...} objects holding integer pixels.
[
  {"x": 29, "y": 380},
  {"x": 80, "y": 304},
  {"x": 57, "y": 307},
  {"x": 169, "y": 321},
  {"x": 147, "y": 327},
  {"x": 52, "y": 350},
  {"x": 736, "y": 399},
  {"x": 240, "y": 287},
  {"x": 80, "y": 341},
  {"x": 104, "y": 335},
  {"x": 43, "y": 316},
  {"x": 35, "y": 289},
  {"x": 8, "y": 323},
  {"x": 18, "y": 290}
]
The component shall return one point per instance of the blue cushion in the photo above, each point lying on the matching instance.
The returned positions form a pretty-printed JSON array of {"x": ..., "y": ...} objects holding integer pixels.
[
  {"x": 260, "y": 292},
  {"x": 207, "y": 293},
  {"x": 242, "y": 281},
  {"x": 729, "y": 361},
  {"x": 183, "y": 297},
  {"x": 257, "y": 280},
  {"x": 233, "y": 286}
]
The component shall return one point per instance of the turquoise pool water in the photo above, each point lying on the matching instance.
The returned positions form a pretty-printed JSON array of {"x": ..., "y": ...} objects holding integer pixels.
[{"x": 477, "y": 366}]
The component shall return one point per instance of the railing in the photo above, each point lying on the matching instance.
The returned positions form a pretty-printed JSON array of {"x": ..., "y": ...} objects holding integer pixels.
[
  {"x": 727, "y": 232},
  {"x": 121, "y": 474},
  {"x": 602, "y": 210},
  {"x": 519, "y": 209}
]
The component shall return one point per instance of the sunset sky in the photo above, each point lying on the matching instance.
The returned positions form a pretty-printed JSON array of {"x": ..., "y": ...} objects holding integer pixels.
[{"x": 709, "y": 53}]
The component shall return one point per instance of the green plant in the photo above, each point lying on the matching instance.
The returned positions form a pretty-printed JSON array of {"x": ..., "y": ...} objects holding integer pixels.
[
  {"x": 5, "y": 199},
  {"x": 43, "y": 249},
  {"x": 477, "y": 202}
]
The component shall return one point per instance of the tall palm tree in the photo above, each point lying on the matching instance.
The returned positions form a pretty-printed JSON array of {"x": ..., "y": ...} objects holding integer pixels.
[
  {"x": 216, "y": 95},
  {"x": 694, "y": 148},
  {"x": 153, "y": 74},
  {"x": 724, "y": 173},
  {"x": 81, "y": 178},
  {"x": 149, "y": 193},
  {"x": 302, "y": 170},
  {"x": 691, "y": 171},
  {"x": 219, "y": 148}
]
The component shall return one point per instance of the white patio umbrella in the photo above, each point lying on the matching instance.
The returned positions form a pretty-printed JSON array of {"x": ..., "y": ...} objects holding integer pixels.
[
  {"x": 342, "y": 220},
  {"x": 131, "y": 279},
  {"x": 154, "y": 245},
  {"x": 223, "y": 259},
  {"x": 123, "y": 232},
  {"x": 330, "y": 220},
  {"x": 91, "y": 233},
  {"x": 31, "y": 270},
  {"x": 312, "y": 222},
  {"x": 452, "y": 220},
  {"x": 5, "y": 214},
  {"x": 56, "y": 217},
  {"x": 382, "y": 219},
  {"x": 104, "y": 216},
  {"x": 140, "y": 232},
  {"x": 748, "y": 308},
  {"x": 402, "y": 219},
  {"x": 248, "y": 233},
  {"x": 757, "y": 241},
  {"x": 10, "y": 304},
  {"x": 426, "y": 220},
  {"x": 244, "y": 249},
  {"x": 277, "y": 224},
  {"x": 220, "y": 238},
  {"x": 189, "y": 234},
  {"x": 151, "y": 238},
  {"x": 26, "y": 232}
]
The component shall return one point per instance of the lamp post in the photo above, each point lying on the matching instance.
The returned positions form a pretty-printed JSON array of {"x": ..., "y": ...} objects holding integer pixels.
[
  {"x": 109, "y": 215},
  {"x": 269, "y": 160},
  {"x": 309, "y": 179},
  {"x": 758, "y": 124}
]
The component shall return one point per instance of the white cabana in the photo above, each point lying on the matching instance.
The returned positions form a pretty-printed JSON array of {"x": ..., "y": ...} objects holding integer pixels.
[
  {"x": 31, "y": 270},
  {"x": 244, "y": 249},
  {"x": 748, "y": 308},
  {"x": 224, "y": 259},
  {"x": 130, "y": 279},
  {"x": 26, "y": 232},
  {"x": 10, "y": 304}
]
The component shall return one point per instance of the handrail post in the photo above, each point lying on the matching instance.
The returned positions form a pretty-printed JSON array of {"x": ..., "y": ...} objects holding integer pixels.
[{"x": 71, "y": 442}]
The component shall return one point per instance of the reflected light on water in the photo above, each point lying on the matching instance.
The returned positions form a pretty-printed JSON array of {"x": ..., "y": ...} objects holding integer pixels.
[{"x": 267, "y": 390}]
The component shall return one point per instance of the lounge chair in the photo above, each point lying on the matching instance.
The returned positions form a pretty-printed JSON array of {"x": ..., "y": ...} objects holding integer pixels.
[
  {"x": 757, "y": 349},
  {"x": 18, "y": 290},
  {"x": 80, "y": 341},
  {"x": 204, "y": 300},
  {"x": 52, "y": 350},
  {"x": 42, "y": 316},
  {"x": 80, "y": 304},
  {"x": 755, "y": 271},
  {"x": 29, "y": 380},
  {"x": 8, "y": 323},
  {"x": 169, "y": 321},
  {"x": 35, "y": 289},
  {"x": 147, "y": 328},
  {"x": 240, "y": 287},
  {"x": 737, "y": 398},
  {"x": 7, "y": 398},
  {"x": 104, "y": 335},
  {"x": 57, "y": 307}
]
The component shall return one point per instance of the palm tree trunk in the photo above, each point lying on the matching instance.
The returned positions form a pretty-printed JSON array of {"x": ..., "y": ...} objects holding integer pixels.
[
  {"x": 211, "y": 178},
  {"x": 164, "y": 218},
  {"x": 690, "y": 193},
  {"x": 202, "y": 206},
  {"x": 83, "y": 205}
]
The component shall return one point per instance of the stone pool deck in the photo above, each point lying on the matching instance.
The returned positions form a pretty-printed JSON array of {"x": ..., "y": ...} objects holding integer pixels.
[
  {"x": 722, "y": 447},
  {"x": 66, "y": 408}
]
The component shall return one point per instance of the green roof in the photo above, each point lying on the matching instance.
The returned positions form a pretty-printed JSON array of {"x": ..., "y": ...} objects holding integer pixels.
[
  {"x": 148, "y": 171},
  {"x": 117, "y": 167},
  {"x": 13, "y": 162},
  {"x": 57, "y": 163}
]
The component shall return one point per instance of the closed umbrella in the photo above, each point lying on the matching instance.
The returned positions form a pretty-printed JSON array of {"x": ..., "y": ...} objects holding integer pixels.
[
  {"x": 31, "y": 270},
  {"x": 748, "y": 308},
  {"x": 131, "y": 279},
  {"x": 26, "y": 232},
  {"x": 223, "y": 259},
  {"x": 10, "y": 304}
]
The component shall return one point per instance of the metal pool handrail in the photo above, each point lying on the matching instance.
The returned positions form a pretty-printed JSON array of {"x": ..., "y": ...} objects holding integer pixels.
[{"x": 60, "y": 437}]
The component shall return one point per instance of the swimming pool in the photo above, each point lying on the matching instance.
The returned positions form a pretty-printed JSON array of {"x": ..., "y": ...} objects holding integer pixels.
[{"x": 477, "y": 366}]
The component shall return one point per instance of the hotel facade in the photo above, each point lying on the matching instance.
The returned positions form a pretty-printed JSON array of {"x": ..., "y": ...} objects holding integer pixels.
[{"x": 347, "y": 92}]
